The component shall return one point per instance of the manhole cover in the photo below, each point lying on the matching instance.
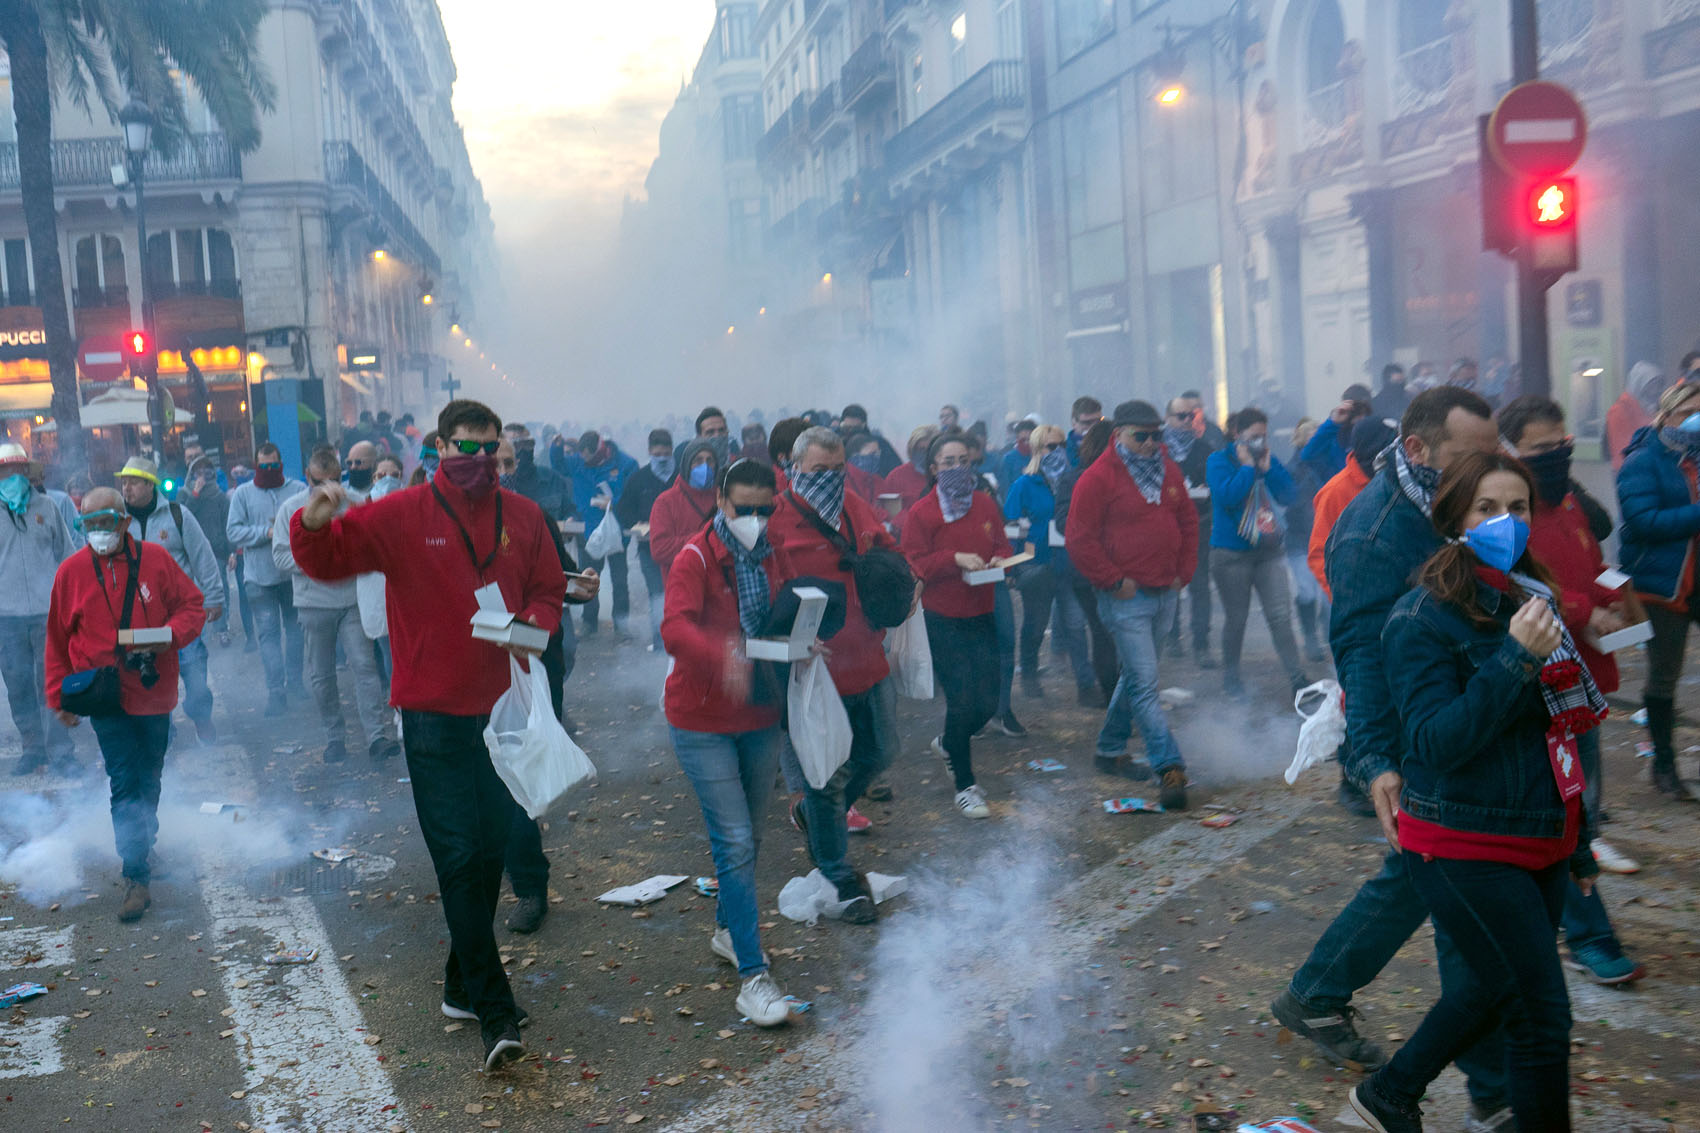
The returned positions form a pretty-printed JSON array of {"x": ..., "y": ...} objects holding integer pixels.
[{"x": 312, "y": 879}]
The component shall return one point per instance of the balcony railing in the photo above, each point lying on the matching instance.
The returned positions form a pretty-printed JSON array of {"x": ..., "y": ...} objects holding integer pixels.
[
  {"x": 113, "y": 295},
  {"x": 993, "y": 88},
  {"x": 196, "y": 288},
  {"x": 86, "y": 162},
  {"x": 1325, "y": 114},
  {"x": 1420, "y": 78},
  {"x": 867, "y": 67},
  {"x": 794, "y": 121},
  {"x": 345, "y": 167},
  {"x": 823, "y": 108}
]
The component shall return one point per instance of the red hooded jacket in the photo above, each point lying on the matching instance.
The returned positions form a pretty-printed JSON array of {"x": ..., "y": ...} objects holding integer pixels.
[
  {"x": 86, "y": 607},
  {"x": 681, "y": 513},
  {"x": 1114, "y": 534},
  {"x": 421, "y": 551}
]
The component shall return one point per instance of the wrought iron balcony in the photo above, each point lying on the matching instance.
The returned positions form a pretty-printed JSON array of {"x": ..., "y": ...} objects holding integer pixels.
[
  {"x": 792, "y": 123},
  {"x": 868, "y": 72},
  {"x": 344, "y": 167},
  {"x": 961, "y": 117},
  {"x": 88, "y": 162}
]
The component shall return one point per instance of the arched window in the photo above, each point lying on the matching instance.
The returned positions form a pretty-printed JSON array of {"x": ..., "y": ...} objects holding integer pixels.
[
  {"x": 100, "y": 272},
  {"x": 1424, "y": 67},
  {"x": 1325, "y": 90}
]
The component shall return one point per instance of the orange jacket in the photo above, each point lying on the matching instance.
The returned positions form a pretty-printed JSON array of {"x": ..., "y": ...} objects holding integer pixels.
[
  {"x": 1623, "y": 419},
  {"x": 1331, "y": 500}
]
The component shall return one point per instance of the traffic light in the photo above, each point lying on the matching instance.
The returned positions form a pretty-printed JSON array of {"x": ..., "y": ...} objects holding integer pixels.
[
  {"x": 137, "y": 344},
  {"x": 1550, "y": 220}
]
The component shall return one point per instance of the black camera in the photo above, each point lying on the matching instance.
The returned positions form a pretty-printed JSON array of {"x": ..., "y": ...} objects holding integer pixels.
[{"x": 144, "y": 665}]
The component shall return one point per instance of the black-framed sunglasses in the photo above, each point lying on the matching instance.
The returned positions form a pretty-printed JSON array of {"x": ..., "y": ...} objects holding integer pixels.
[
  {"x": 473, "y": 448},
  {"x": 764, "y": 510},
  {"x": 1053, "y": 446},
  {"x": 1141, "y": 436},
  {"x": 1187, "y": 415}
]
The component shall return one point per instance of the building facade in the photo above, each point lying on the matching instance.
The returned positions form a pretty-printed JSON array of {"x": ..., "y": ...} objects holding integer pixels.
[{"x": 292, "y": 287}]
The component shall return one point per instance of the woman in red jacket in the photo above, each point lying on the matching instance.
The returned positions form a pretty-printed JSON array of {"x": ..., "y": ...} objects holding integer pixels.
[
  {"x": 720, "y": 592},
  {"x": 951, "y": 530},
  {"x": 685, "y": 509}
]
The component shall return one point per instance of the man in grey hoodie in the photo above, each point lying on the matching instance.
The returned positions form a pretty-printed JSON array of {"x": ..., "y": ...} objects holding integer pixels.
[
  {"x": 33, "y": 542},
  {"x": 253, "y": 510}
]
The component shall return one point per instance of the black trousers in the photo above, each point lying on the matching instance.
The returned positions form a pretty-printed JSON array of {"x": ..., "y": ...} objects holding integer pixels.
[
  {"x": 965, "y": 664},
  {"x": 465, "y": 813}
]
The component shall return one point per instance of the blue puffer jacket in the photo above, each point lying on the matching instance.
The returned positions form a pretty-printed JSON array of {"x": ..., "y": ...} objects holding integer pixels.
[
  {"x": 589, "y": 480},
  {"x": 1660, "y": 518}
]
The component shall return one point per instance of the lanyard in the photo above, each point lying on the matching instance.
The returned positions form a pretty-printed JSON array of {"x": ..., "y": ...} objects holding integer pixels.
[{"x": 466, "y": 537}]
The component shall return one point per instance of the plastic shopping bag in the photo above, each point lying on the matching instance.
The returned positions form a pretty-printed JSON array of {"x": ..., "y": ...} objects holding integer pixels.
[
  {"x": 819, "y": 727},
  {"x": 1324, "y": 727},
  {"x": 605, "y": 540},
  {"x": 530, "y": 750},
  {"x": 911, "y": 658}
]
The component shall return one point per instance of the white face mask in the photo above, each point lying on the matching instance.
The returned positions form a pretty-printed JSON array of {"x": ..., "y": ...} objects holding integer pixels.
[
  {"x": 748, "y": 529},
  {"x": 104, "y": 542}
]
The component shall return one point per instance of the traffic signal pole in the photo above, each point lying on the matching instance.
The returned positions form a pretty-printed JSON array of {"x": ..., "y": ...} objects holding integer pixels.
[{"x": 1532, "y": 284}]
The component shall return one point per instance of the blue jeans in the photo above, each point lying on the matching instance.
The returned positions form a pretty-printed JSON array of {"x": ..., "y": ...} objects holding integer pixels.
[
  {"x": 1586, "y": 922},
  {"x": 1502, "y": 922},
  {"x": 1133, "y": 623},
  {"x": 1363, "y": 939},
  {"x": 1068, "y": 631},
  {"x": 655, "y": 586},
  {"x": 1003, "y": 615},
  {"x": 733, "y": 778},
  {"x": 23, "y": 647},
  {"x": 279, "y": 633},
  {"x": 873, "y": 744},
  {"x": 133, "y": 748},
  {"x": 197, "y": 697}
]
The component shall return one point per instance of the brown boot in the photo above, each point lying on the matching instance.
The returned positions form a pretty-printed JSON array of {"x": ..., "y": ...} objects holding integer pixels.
[
  {"x": 1173, "y": 794},
  {"x": 136, "y": 902}
]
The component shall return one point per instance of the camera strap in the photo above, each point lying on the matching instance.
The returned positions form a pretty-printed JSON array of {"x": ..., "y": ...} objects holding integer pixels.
[{"x": 133, "y": 560}]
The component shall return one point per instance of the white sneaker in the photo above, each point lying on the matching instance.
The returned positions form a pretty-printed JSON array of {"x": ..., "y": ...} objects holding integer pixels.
[
  {"x": 762, "y": 1001},
  {"x": 721, "y": 945},
  {"x": 971, "y": 801},
  {"x": 938, "y": 750},
  {"x": 1613, "y": 860}
]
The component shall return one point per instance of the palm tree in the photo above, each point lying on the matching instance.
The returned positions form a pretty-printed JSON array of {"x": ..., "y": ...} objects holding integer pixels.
[{"x": 107, "y": 49}]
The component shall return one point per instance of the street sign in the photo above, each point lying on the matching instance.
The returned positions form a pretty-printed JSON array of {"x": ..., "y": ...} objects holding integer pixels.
[{"x": 1538, "y": 129}]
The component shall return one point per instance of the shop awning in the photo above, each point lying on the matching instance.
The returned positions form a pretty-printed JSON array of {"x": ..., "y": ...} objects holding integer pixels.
[{"x": 125, "y": 405}]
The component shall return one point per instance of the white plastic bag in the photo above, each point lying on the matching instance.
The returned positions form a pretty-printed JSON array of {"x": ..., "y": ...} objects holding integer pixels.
[
  {"x": 1324, "y": 727},
  {"x": 812, "y": 897},
  {"x": 819, "y": 726},
  {"x": 911, "y": 658},
  {"x": 605, "y": 540},
  {"x": 530, "y": 750}
]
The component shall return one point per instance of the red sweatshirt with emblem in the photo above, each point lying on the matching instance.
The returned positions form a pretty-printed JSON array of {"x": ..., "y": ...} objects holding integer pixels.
[
  {"x": 680, "y": 514},
  {"x": 418, "y": 546},
  {"x": 932, "y": 546},
  {"x": 86, "y": 607}
]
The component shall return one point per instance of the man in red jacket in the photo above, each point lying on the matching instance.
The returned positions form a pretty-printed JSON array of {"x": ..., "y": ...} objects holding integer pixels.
[
  {"x": 817, "y": 500},
  {"x": 91, "y": 593},
  {"x": 436, "y": 545},
  {"x": 1133, "y": 534}
]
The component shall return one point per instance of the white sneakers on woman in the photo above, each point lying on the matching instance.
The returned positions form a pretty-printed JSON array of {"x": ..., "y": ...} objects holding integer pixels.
[
  {"x": 762, "y": 1001},
  {"x": 971, "y": 801}
]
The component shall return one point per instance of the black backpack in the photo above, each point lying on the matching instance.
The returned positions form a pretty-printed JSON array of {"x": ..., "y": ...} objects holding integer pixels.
[{"x": 884, "y": 583}]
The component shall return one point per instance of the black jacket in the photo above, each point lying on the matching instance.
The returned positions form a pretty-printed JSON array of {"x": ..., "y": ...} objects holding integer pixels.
[
  {"x": 544, "y": 487},
  {"x": 643, "y": 488}
]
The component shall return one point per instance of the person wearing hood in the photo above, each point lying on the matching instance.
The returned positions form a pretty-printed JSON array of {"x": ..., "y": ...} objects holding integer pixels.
[
  {"x": 1633, "y": 410},
  {"x": 599, "y": 472},
  {"x": 253, "y": 510},
  {"x": 33, "y": 542},
  {"x": 205, "y": 498},
  {"x": 121, "y": 581},
  {"x": 154, "y": 520},
  {"x": 1660, "y": 505},
  {"x": 1391, "y": 400},
  {"x": 688, "y": 506},
  {"x": 635, "y": 511}
]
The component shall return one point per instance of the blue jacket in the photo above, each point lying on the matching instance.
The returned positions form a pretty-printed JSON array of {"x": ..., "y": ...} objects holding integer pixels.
[
  {"x": 1373, "y": 553},
  {"x": 587, "y": 482},
  {"x": 1474, "y": 722},
  {"x": 1660, "y": 518},
  {"x": 1030, "y": 497},
  {"x": 1011, "y": 468},
  {"x": 1324, "y": 453},
  {"x": 1231, "y": 484}
]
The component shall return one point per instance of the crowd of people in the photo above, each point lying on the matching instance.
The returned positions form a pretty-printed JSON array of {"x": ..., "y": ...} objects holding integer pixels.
[{"x": 1437, "y": 555}]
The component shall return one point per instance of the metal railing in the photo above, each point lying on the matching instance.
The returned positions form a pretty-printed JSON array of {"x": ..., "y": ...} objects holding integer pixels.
[
  {"x": 197, "y": 288},
  {"x": 823, "y": 108},
  {"x": 345, "y": 167},
  {"x": 113, "y": 295},
  {"x": 1420, "y": 78},
  {"x": 867, "y": 65},
  {"x": 793, "y": 121},
  {"x": 1325, "y": 114},
  {"x": 84, "y": 162},
  {"x": 994, "y": 87}
]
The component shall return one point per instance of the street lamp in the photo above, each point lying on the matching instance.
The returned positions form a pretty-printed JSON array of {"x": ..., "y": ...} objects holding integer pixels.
[{"x": 137, "y": 120}]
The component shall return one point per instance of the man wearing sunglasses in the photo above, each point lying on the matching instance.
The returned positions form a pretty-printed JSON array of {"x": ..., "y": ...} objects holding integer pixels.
[
  {"x": 1191, "y": 449},
  {"x": 253, "y": 511},
  {"x": 436, "y": 548},
  {"x": 1133, "y": 534}
]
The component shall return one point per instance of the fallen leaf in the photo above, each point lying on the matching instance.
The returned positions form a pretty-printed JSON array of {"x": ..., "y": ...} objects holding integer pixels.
[
  {"x": 239, "y": 1095},
  {"x": 474, "y": 1107},
  {"x": 452, "y": 1028},
  {"x": 675, "y": 1080},
  {"x": 633, "y": 1118},
  {"x": 727, "y": 1034},
  {"x": 1017, "y": 1083},
  {"x": 198, "y": 994}
]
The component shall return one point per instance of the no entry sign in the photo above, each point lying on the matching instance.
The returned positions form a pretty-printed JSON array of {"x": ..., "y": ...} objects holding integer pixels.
[{"x": 1538, "y": 129}]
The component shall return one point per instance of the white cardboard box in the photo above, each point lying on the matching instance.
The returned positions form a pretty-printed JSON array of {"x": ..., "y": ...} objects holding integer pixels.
[
  {"x": 995, "y": 572},
  {"x": 158, "y": 636},
  {"x": 810, "y": 613},
  {"x": 1625, "y": 638},
  {"x": 494, "y": 623},
  {"x": 573, "y": 527}
]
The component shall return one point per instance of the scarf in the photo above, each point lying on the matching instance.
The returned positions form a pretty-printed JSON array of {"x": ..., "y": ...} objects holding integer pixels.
[
  {"x": 1418, "y": 481},
  {"x": 1147, "y": 473},
  {"x": 1572, "y": 698},
  {"x": 1179, "y": 439},
  {"x": 755, "y": 601},
  {"x": 956, "y": 492},
  {"x": 823, "y": 490},
  {"x": 1681, "y": 441},
  {"x": 1053, "y": 465},
  {"x": 15, "y": 493}
]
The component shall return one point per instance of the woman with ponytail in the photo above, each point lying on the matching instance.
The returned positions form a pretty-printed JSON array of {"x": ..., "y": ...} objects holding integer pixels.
[{"x": 1491, "y": 694}]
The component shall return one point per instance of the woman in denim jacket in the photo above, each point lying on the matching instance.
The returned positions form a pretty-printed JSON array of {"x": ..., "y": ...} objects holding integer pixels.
[{"x": 1491, "y": 695}]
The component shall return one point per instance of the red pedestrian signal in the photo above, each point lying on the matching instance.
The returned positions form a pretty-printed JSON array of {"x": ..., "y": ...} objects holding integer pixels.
[
  {"x": 1552, "y": 204},
  {"x": 137, "y": 344}
]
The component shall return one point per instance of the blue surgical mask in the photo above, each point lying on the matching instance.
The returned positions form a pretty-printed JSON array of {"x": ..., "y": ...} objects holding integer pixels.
[
  {"x": 701, "y": 474},
  {"x": 15, "y": 492},
  {"x": 1498, "y": 542}
]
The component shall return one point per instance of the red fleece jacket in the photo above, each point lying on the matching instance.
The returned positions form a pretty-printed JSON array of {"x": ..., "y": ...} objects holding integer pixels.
[
  {"x": 680, "y": 515},
  {"x": 932, "y": 546},
  {"x": 1114, "y": 534},
  {"x": 700, "y": 630},
  {"x": 413, "y": 542},
  {"x": 858, "y": 659},
  {"x": 83, "y": 616}
]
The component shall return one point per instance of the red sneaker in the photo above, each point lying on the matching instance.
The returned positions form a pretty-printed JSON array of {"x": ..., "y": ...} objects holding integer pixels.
[{"x": 857, "y": 822}]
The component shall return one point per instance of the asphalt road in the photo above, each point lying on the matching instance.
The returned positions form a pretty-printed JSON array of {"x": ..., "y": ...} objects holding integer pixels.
[{"x": 1056, "y": 967}]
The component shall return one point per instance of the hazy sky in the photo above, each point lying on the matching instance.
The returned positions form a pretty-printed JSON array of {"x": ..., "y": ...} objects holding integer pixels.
[{"x": 561, "y": 104}]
